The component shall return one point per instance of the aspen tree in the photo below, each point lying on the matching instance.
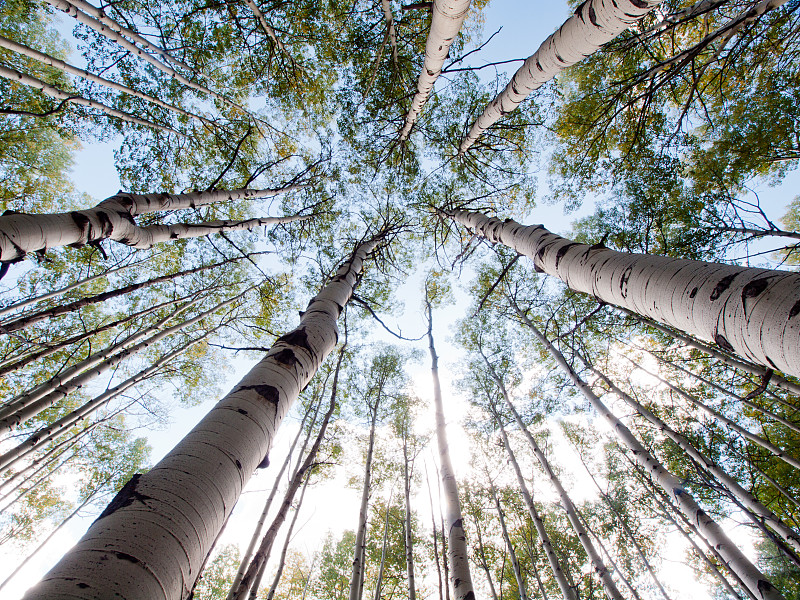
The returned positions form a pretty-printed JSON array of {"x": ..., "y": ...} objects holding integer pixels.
[
  {"x": 113, "y": 219},
  {"x": 755, "y": 581},
  {"x": 448, "y": 16},
  {"x": 460, "y": 576},
  {"x": 153, "y": 538},
  {"x": 595, "y": 22},
  {"x": 752, "y": 312}
]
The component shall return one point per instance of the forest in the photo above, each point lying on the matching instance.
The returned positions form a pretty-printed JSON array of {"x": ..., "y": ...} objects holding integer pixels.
[{"x": 318, "y": 346}]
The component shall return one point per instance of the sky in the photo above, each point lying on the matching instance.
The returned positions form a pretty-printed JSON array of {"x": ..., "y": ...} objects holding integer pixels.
[{"x": 522, "y": 27}]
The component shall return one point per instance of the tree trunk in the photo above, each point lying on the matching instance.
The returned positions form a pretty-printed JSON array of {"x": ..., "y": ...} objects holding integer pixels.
[
  {"x": 435, "y": 535},
  {"x": 758, "y": 584},
  {"x": 27, "y": 408},
  {"x": 460, "y": 576},
  {"x": 113, "y": 219},
  {"x": 409, "y": 537},
  {"x": 752, "y": 312},
  {"x": 31, "y": 319},
  {"x": 448, "y": 16},
  {"x": 523, "y": 595},
  {"x": 72, "y": 70},
  {"x": 379, "y": 579},
  {"x": 754, "y": 507},
  {"x": 356, "y": 577},
  {"x": 152, "y": 539},
  {"x": 555, "y": 566},
  {"x": 262, "y": 20},
  {"x": 59, "y": 94},
  {"x": 594, "y": 23},
  {"x": 719, "y": 417}
]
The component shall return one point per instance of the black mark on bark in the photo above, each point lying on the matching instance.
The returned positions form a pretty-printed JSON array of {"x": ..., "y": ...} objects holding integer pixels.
[
  {"x": 755, "y": 287},
  {"x": 298, "y": 337},
  {"x": 267, "y": 392},
  {"x": 562, "y": 251},
  {"x": 795, "y": 310},
  {"x": 723, "y": 285},
  {"x": 286, "y": 357},
  {"x": 693, "y": 293},
  {"x": 125, "y": 497},
  {"x": 723, "y": 343}
]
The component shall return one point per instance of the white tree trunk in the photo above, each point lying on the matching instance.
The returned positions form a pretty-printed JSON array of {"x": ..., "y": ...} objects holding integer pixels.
[
  {"x": 113, "y": 219},
  {"x": 262, "y": 20},
  {"x": 752, "y": 312},
  {"x": 83, "y": 73},
  {"x": 29, "y": 406},
  {"x": 746, "y": 498},
  {"x": 59, "y": 94},
  {"x": 758, "y": 584},
  {"x": 544, "y": 538},
  {"x": 151, "y": 541},
  {"x": 390, "y": 28},
  {"x": 460, "y": 576},
  {"x": 523, "y": 594},
  {"x": 112, "y": 34},
  {"x": 595, "y": 22},
  {"x": 448, "y": 16}
]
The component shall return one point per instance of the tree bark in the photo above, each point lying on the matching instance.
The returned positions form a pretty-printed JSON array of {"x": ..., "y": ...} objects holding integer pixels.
[
  {"x": 523, "y": 594},
  {"x": 448, "y": 16},
  {"x": 752, "y": 312},
  {"x": 758, "y": 584},
  {"x": 84, "y": 74},
  {"x": 113, "y": 219},
  {"x": 460, "y": 576},
  {"x": 595, "y": 22},
  {"x": 151, "y": 541},
  {"x": 409, "y": 537},
  {"x": 59, "y": 94}
]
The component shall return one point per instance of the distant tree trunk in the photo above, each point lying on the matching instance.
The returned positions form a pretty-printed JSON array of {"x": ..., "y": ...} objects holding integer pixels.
[
  {"x": 755, "y": 509},
  {"x": 384, "y": 547},
  {"x": 485, "y": 563},
  {"x": 26, "y": 408},
  {"x": 435, "y": 535},
  {"x": 262, "y": 20},
  {"x": 245, "y": 561},
  {"x": 555, "y": 566},
  {"x": 456, "y": 538},
  {"x": 752, "y": 312},
  {"x": 24, "y": 321},
  {"x": 521, "y": 589},
  {"x": 356, "y": 576},
  {"x": 52, "y": 348},
  {"x": 448, "y": 16},
  {"x": 719, "y": 417},
  {"x": 409, "y": 531},
  {"x": 50, "y": 432},
  {"x": 594, "y": 23},
  {"x": 141, "y": 543},
  {"x": 746, "y": 570}
]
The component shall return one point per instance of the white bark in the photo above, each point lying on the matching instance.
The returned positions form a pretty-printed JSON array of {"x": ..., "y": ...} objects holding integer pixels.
[
  {"x": 262, "y": 20},
  {"x": 719, "y": 417},
  {"x": 111, "y": 34},
  {"x": 746, "y": 498},
  {"x": 409, "y": 532},
  {"x": 460, "y": 576},
  {"x": 523, "y": 595},
  {"x": 544, "y": 538},
  {"x": 59, "y": 94},
  {"x": 72, "y": 70},
  {"x": 600, "y": 569},
  {"x": 390, "y": 28},
  {"x": 151, "y": 541},
  {"x": 448, "y": 16},
  {"x": 27, "y": 408},
  {"x": 48, "y": 433},
  {"x": 752, "y": 312},
  {"x": 758, "y": 584},
  {"x": 113, "y": 219},
  {"x": 594, "y": 23}
]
